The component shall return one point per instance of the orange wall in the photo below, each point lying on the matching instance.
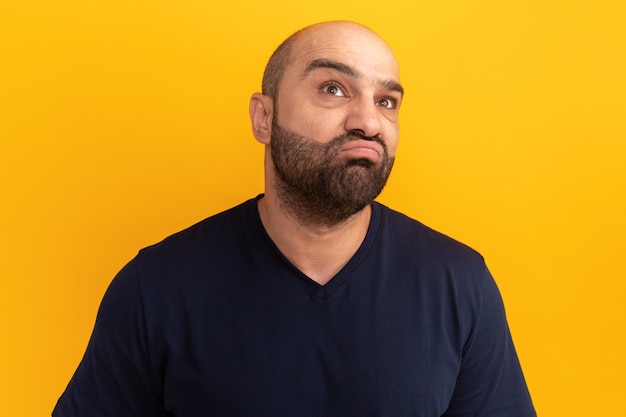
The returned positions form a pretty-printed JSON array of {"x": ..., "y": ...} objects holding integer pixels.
[{"x": 123, "y": 121}]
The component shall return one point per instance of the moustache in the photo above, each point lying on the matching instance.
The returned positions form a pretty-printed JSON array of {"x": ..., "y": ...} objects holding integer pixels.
[{"x": 354, "y": 136}]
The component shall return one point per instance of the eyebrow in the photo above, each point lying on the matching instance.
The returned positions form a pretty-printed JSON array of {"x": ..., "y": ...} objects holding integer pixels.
[
  {"x": 349, "y": 71},
  {"x": 393, "y": 86},
  {"x": 327, "y": 63}
]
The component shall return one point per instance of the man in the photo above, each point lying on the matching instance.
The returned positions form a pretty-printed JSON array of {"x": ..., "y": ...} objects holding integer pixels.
[{"x": 309, "y": 300}]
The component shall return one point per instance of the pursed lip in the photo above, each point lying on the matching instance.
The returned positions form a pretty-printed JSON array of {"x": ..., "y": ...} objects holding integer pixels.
[{"x": 364, "y": 147}]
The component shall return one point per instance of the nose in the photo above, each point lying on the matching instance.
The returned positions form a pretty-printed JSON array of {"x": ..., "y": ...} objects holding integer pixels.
[{"x": 364, "y": 116}]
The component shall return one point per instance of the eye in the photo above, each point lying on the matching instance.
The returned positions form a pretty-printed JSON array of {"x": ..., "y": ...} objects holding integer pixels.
[
  {"x": 333, "y": 89},
  {"x": 387, "y": 102}
]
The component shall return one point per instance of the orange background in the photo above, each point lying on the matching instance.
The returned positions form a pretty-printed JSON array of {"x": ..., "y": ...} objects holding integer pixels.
[{"x": 123, "y": 121}]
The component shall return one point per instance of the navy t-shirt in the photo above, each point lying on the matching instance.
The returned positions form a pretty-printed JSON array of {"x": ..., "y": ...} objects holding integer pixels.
[{"x": 215, "y": 321}]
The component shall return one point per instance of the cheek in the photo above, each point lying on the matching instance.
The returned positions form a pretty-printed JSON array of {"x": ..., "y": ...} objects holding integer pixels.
[
  {"x": 391, "y": 140},
  {"x": 312, "y": 123}
]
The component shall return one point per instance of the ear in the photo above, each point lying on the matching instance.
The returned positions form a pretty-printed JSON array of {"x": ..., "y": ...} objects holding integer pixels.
[{"x": 261, "y": 113}]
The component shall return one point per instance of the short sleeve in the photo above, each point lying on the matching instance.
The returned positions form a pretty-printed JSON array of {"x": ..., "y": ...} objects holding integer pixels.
[
  {"x": 115, "y": 376},
  {"x": 490, "y": 381}
]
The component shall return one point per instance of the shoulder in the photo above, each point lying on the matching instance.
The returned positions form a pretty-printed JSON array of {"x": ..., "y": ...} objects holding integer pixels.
[
  {"x": 434, "y": 265},
  {"x": 207, "y": 247},
  {"x": 414, "y": 239},
  {"x": 215, "y": 231}
]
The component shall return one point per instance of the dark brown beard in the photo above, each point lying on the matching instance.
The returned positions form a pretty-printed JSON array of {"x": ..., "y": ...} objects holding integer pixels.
[{"x": 316, "y": 187}]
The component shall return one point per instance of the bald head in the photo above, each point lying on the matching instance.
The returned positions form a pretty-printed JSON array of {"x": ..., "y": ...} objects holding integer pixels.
[{"x": 336, "y": 35}]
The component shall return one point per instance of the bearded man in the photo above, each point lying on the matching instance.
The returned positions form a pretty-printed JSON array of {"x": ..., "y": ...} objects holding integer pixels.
[{"x": 311, "y": 299}]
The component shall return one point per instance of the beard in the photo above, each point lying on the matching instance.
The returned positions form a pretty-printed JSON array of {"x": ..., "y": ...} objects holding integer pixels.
[{"x": 318, "y": 187}]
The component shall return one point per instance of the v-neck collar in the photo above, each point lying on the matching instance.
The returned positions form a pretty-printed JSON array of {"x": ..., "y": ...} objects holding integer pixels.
[{"x": 316, "y": 289}]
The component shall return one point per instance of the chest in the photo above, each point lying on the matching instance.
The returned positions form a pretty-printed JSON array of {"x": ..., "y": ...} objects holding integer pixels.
[{"x": 282, "y": 355}]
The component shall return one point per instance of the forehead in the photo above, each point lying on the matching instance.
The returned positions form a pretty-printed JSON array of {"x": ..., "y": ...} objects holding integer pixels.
[{"x": 352, "y": 45}]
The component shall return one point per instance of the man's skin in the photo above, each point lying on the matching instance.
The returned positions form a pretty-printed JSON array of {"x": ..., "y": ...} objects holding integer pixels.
[{"x": 343, "y": 78}]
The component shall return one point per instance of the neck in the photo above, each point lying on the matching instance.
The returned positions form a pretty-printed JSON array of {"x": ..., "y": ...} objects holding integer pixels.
[{"x": 318, "y": 250}]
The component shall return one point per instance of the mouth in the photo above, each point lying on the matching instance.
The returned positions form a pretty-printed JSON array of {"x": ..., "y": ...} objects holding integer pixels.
[{"x": 362, "y": 149}]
